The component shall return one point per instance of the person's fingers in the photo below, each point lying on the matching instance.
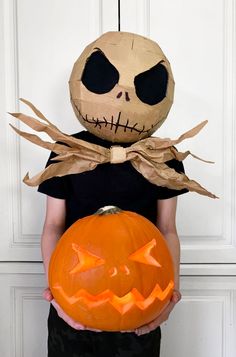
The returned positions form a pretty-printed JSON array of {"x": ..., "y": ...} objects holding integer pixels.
[
  {"x": 92, "y": 329},
  {"x": 142, "y": 330},
  {"x": 150, "y": 327},
  {"x": 176, "y": 297},
  {"x": 66, "y": 318},
  {"x": 69, "y": 320},
  {"x": 47, "y": 295},
  {"x": 157, "y": 322},
  {"x": 139, "y": 331},
  {"x": 75, "y": 325}
]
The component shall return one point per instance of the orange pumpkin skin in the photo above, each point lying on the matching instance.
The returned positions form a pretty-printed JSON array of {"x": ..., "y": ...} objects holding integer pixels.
[{"x": 112, "y": 272}]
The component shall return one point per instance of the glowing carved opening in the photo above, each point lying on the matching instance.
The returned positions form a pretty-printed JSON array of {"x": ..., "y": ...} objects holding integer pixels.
[
  {"x": 124, "y": 269},
  {"x": 87, "y": 260},
  {"x": 143, "y": 255},
  {"x": 112, "y": 272},
  {"x": 121, "y": 304}
]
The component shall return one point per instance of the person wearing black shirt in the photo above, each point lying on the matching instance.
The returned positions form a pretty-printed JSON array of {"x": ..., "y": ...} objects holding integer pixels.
[{"x": 75, "y": 196}]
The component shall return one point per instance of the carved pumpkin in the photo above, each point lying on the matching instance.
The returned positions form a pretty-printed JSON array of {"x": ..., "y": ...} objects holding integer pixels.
[
  {"x": 112, "y": 271},
  {"x": 122, "y": 87}
]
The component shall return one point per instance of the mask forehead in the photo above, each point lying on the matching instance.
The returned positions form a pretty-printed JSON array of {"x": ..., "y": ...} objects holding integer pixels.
[
  {"x": 128, "y": 41},
  {"x": 131, "y": 54}
]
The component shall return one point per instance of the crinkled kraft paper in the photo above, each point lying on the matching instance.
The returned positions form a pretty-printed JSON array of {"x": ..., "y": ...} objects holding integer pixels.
[{"x": 148, "y": 156}]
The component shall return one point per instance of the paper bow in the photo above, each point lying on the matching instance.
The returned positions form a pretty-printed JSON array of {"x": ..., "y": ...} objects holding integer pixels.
[{"x": 148, "y": 156}]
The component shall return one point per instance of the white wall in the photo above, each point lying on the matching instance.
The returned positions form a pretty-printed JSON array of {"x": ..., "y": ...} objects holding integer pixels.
[{"x": 39, "y": 41}]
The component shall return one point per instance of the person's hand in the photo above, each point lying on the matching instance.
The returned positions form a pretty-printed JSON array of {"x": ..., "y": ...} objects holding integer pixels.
[
  {"x": 176, "y": 297},
  {"x": 47, "y": 295}
]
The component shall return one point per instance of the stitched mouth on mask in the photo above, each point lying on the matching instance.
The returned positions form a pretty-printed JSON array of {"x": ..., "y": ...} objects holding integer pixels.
[{"x": 114, "y": 123}]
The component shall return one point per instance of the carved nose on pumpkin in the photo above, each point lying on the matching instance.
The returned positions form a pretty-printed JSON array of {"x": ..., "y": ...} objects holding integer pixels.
[{"x": 121, "y": 269}]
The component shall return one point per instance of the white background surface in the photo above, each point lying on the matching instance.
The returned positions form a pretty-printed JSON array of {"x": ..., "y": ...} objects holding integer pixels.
[{"x": 39, "y": 41}]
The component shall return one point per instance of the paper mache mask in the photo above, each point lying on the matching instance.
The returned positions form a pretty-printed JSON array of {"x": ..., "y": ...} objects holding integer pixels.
[{"x": 122, "y": 87}]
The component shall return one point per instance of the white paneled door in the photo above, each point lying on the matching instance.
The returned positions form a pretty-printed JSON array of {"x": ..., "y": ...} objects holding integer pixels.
[
  {"x": 39, "y": 42},
  {"x": 198, "y": 37}
]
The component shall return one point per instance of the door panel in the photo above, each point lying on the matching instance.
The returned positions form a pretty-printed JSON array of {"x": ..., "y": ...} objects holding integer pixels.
[
  {"x": 198, "y": 39},
  {"x": 202, "y": 324},
  {"x": 40, "y": 41}
]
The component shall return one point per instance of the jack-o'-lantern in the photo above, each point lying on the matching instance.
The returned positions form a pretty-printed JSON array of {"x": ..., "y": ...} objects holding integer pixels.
[
  {"x": 122, "y": 87},
  {"x": 112, "y": 271}
]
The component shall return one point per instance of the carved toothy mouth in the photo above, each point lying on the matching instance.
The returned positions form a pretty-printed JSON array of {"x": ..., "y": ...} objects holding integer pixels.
[
  {"x": 114, "y": 123},
  {"x": 121, "y": 303}
]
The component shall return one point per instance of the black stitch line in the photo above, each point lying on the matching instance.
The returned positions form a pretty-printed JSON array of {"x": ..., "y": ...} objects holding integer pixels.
[
  {"x": 99, "y": 123},
  {"x": 112, "y": 122},
  {"x": 126, "y": 125},
  {"x": 106, "y": 122},
  {"x": 94, "y": 121},
  {"x": 117, "y": 123},
  {"x": 142, "y": 131},
  {"x": 133, "y": 128}
]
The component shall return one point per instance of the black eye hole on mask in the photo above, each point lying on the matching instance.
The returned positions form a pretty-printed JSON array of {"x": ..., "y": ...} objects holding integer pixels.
[
  {"x": 99, "y": 75},
  {"x": 151, "y": 85}
]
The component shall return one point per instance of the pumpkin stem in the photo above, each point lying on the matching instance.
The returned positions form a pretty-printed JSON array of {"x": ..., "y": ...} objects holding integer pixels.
[{"x": 108, "y": 210}]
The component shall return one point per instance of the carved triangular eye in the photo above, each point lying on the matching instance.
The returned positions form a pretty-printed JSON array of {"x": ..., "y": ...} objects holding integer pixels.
[
  {"x": 87, "y": 260},
  {"x": 143, "y": 255}
]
